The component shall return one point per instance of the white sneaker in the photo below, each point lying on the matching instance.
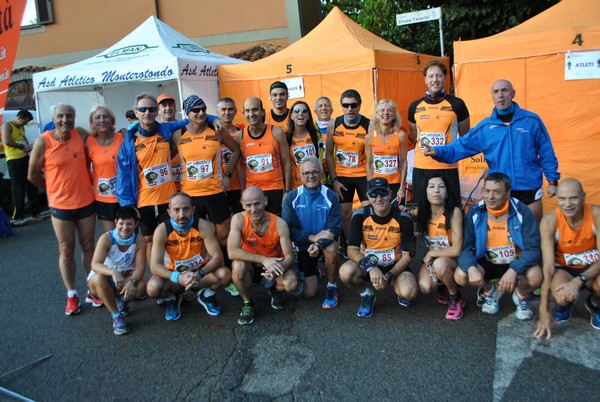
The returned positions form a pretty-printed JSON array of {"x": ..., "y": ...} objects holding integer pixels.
[
  {"x": 491, "y": 306},
  {"x": 523, "y": 312}
]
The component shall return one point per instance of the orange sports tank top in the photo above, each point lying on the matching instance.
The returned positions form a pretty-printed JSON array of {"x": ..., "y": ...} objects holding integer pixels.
[
  {"x": 201, "y": 163},
  {"x": 267, "y": 245},
  {"x": 154, "y": 169},
  {"x": 386, "y": 157},
  {"x": 104, "y": 167},
  {"x": 575, "y": 248},
  {"x": 262, "y": 160}
]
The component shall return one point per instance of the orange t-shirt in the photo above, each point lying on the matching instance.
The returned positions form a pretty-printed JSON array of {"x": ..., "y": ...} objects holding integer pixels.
[
  {"x": 575, "y": 248},
  {"x": 300, "y": 148},
  {"x": 185, "y": 252},
  {"x": 435, "y": 126},
  {"x": 438, "y": 237},
  {"x": 267, "y": 245},
  {"x": 349, "y": 151},
  {"x": 500, "y": 249},
  {"x": 278, "y": 121},
  {"x": 386, "y": 157},
  {"x": 234, "y": 182},
  {"x": 262, "y": 160},
  {"x": 67, "y": 179},
  {"x": 201, "y": 162},
  {"x": 154, "y": 170},
  {"x": 104, "y": 167}
]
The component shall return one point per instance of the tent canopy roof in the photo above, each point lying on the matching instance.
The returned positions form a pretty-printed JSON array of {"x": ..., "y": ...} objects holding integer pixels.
[
  {"x": 551, "y": 31},
  {"x": 336, "y": 44},
  {"x": 152, "y": 52}
]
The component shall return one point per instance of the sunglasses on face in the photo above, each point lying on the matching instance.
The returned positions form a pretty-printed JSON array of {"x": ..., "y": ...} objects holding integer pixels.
[
  {"x": 300, "y": 111},
  {"x": 382, "y": 194},
  {"x": 311, "y": 173},
  {"x": 151, "y": 109},
  {"x": 198, "y": 109},
  {"x": 350, "y": 105}
]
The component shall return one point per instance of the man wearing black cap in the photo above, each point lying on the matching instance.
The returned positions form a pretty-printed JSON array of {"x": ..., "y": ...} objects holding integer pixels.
[
  {"x": 278, "y": 93},
  {"x": 387, "y": 239}
]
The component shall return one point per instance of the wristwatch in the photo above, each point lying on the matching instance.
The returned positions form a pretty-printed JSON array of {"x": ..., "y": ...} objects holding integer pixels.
[
  {"x": 583, "y": 279},
  {"x": 228, "y": 174}
]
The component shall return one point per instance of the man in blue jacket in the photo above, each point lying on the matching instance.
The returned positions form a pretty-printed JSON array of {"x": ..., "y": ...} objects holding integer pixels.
[
  {"x": 312, "y": 212},
  {"x": 514, "y": 141},
  {"x": 501, "y": 249}
]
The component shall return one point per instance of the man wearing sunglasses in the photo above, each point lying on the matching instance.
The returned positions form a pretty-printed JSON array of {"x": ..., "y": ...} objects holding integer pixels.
[
  {"x": 279, "y": 95},
  {"x": 348, "y": 167},
  {"x": 380, "y": 249},
  {"x": 313, "y": 216},
  {"x": 144, "y": 177}
]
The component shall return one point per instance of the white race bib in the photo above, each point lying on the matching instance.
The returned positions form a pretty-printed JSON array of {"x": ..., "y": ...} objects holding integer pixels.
[
  {"x": 437, "y": 242},
  {"x": 348, "y": 159},
  {"x": 177, "y": 172},
  {"x": 433, "y": 139},
  {"x": 199, "y": 170},
  {"x": 157, "y": 175},
  {"x": 385, "y": 164},
  {"x": 386, "y": 257},
  {"x": 303, "y": 151},
  {"x": 192, "y": 264},
  {"x": 501, "y": 255},
  {"x": 584, "y": 258},
  {"x": 106, "y": 186},
  {"x": 260, "y": 163}
]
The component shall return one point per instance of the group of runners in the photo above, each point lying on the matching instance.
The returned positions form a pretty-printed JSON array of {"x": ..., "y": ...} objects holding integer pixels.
[{"x": 211, "y": 206}]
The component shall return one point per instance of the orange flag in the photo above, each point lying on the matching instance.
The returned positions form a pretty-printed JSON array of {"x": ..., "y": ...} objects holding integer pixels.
[{"x": 11, "y": 14}]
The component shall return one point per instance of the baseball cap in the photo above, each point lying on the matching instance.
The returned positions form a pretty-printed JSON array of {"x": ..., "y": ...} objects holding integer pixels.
[
  {"x": 163, "y": 97},
  {"x": 377, "y": 183}
]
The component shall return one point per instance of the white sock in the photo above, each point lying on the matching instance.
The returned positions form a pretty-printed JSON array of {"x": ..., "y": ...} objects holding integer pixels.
[
  {"x": 332, "y": 285},
  {"x": 367, "y": 292},
  {"x": 208, "y": 292},
  {"x": 72, "y": 293}
]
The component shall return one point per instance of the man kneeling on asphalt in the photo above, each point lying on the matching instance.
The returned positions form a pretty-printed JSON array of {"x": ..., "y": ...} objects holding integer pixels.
[
  {"x": 118, "y": 267},
  {"x": 379, "y": 249},
  {"x": 501, "y": 249},
  {"x": 184, "y": 239},
  {"x": 259, "y": 245},
  {"x": 570, "y": 244}
]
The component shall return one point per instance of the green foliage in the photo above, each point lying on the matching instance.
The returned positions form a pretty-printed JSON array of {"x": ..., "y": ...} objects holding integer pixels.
[{"x": 461, "y": 19}]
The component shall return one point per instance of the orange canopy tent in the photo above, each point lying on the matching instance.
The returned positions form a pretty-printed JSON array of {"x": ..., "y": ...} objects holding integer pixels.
[
  {"x": 533, "y": 57},
  {"x": 336, "y": 55}
]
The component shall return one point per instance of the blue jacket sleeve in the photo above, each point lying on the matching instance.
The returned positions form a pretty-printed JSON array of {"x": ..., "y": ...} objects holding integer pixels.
[
  {"x": 465, "y": 146},
  {"x": 334, "y": 219},
  {"x": 468, "y": 256},
  {"x": 126, "y": 193},
  {"x": 531, "y": 250},
  {"x": 211, "y": 118},
  {"x": 297, "y": 235},
  {"x": 166, "y": 129},
  {"x": 546, "y": 152}
]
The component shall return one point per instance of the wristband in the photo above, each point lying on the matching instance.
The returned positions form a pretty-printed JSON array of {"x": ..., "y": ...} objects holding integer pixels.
[
  {"x": 175, "y": 277},
  {"x": 134, "y": 282},
  {"x": 228, "y": 174},
  {"x": 201, "y": 273},
  {"x": 553, "y": 183}
]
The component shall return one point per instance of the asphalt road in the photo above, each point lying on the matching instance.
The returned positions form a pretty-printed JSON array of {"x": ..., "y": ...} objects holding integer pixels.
[{"x": 301, "y": 353}]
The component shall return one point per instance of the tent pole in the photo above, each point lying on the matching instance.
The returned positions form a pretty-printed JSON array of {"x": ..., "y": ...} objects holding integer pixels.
[{"x": 375, "y": 85}]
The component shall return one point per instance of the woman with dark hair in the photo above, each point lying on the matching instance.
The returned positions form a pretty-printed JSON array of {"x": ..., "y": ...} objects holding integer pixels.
[
  {"x": 302, "y": 137},
  {"x": 440, "y": 224}
]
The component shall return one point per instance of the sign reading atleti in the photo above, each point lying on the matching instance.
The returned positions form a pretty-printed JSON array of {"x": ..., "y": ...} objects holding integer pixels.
[{"x": 11, "y": 13}]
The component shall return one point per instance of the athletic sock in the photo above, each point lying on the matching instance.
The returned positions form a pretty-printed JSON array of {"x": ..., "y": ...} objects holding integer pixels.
[
  {"x": 367, "y": 292},
  {"x": 331, "y": 285},
  {"x": 208, "y": 292},
  {"x": 72, "y": 293},
  {"x": 115, "y": 314}
]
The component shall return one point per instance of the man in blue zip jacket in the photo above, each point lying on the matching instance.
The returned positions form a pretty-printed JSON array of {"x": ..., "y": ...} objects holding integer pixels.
[
  {"x": 312, "y": 212},
  {"x": 501, "y": 241},
  {"x": 514, "y": 141}
]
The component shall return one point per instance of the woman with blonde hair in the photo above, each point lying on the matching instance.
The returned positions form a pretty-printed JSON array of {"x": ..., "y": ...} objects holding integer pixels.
[{"x": 386, "y": 146}]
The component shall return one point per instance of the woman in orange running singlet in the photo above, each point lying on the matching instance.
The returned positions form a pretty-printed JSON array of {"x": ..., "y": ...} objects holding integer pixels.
[
  {"x": 386, "y": 146},
  {"x": 441, "y": 226},
  {"x": 102, "y": 148},
  {"x": 302, "y": 137}
]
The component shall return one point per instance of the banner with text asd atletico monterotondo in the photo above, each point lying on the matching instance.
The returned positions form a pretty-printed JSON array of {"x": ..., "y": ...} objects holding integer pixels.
[{"x": 11, "y": 14}]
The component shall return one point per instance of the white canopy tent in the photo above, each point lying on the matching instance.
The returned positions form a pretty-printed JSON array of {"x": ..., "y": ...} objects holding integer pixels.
[{"x": 154, "y": 58}]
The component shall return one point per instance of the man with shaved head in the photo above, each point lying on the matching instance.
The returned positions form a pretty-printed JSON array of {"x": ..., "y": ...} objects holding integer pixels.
[
  {"x": 265, "y": 156},
  {"x": 259, "y": 245},
  {"x": 570, "y": 244},
  {"x": 515, "y": 142}
]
